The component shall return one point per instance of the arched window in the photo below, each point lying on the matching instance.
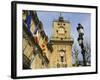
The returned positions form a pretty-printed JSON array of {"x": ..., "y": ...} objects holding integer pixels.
[{"x": 62, "y": 54}]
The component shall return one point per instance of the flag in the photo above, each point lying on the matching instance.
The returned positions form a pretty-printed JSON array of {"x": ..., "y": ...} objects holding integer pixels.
[
  {"x": 46, "y": 39},
  {"x": 36, "y": 35},
  {"x": 36, "y": 39},
  {"x": 43, "y": 47},
  {"x": 35, "y": 31},
  {"x": 42, "y": 34},
  {"x": 28, "y": 20},
  {"x": 43, "y": 39}
]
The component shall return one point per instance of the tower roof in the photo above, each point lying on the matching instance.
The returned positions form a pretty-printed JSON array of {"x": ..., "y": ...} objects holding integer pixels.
[{"x": 61, "y": 19}]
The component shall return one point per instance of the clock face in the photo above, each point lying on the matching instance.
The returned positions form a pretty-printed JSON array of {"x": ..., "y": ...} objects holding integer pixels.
[{"x": 61, "y": 30}]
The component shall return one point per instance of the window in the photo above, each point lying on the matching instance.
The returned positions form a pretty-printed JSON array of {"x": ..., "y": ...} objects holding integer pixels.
[
  {"x": 64, "y": 24},
  {"x": 62, "y": 58},
  {"x": 62, "y": 54},
  {"x": 58, "y": 23}
]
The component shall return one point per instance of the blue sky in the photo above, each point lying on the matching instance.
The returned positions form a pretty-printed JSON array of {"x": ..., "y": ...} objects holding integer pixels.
[{"x": 47, "y": 19}]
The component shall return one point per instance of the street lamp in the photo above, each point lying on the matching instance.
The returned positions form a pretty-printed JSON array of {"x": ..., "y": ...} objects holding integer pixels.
[{"x": 80, "y": 30}]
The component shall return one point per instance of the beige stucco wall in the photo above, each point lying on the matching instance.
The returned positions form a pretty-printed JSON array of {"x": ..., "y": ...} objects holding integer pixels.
[
  {"x": 61, "y": 44},
  {"x": 55, "y": 57}
]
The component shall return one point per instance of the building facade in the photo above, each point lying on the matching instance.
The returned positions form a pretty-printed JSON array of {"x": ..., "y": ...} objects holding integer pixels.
[
  {"x": 34, "y": 43},
  {"x": 62, "y": 44},
  {"x": 38, "y": 52}
]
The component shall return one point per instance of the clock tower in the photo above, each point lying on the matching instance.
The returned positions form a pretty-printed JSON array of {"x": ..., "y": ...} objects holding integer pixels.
[{"x": 62, "y": 44}]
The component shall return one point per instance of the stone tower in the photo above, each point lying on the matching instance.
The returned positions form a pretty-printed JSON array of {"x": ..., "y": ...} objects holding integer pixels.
[{"x": 62, "y": 44}]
